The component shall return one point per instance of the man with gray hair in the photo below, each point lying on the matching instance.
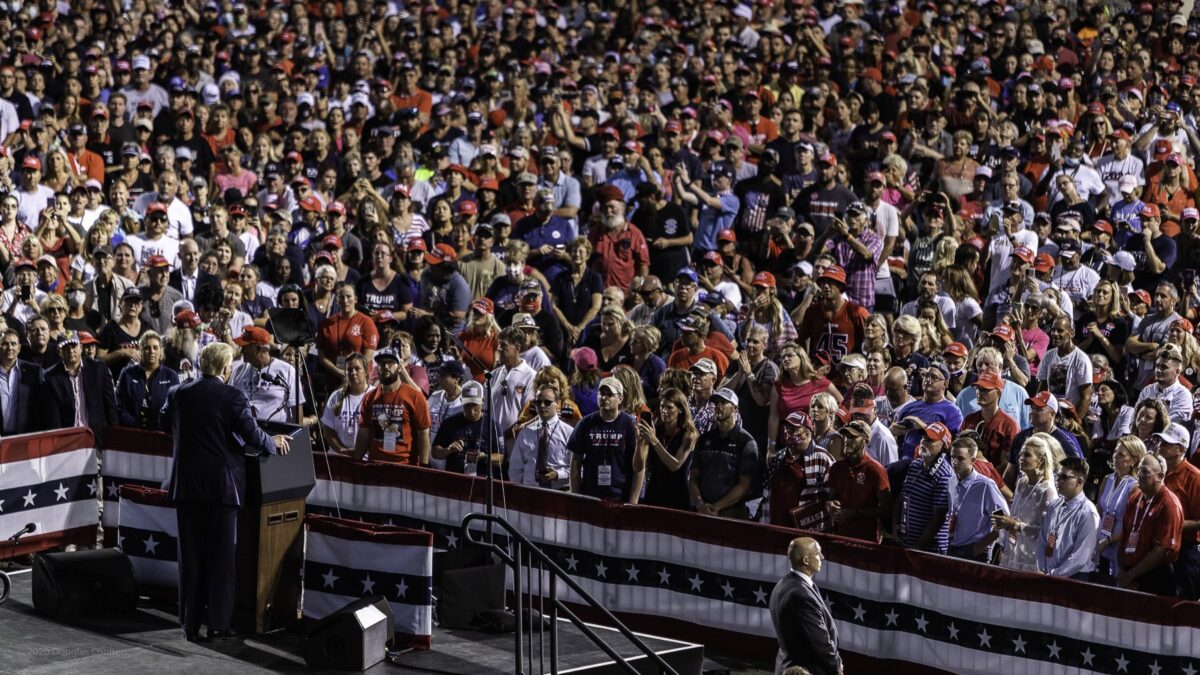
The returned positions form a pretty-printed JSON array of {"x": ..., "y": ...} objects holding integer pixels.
[
  {"x": 1153, "y": 532},
  {"x": 1012, "y": 396}
]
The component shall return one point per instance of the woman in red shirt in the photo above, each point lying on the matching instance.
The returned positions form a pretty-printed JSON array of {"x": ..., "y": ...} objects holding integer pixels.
[{"x": 347, "y": 332}]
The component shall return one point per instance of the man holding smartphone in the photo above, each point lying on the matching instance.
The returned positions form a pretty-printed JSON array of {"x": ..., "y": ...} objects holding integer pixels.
[{"x": 23, "y": 300}]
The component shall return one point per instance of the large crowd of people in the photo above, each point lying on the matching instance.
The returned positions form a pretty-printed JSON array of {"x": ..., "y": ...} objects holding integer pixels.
[{"x": 922, "y": 272}]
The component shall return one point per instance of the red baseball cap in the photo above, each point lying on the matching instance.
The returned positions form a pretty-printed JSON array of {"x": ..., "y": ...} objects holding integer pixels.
[
  {"x": 938, "y": 432},
  {"x": 1004, "y": 332},
  {"x": 484, "y": 306},
  {"x": 310, "y": 203},
  {"x": 726, "y": 235},
  {"x": 1024, "y": 253},
  {"x": 157, "y": 261},
  {"x": 989, "y": 380},
  {"x": 1151, "y": 211},
  {"x": 834, "y": 273},
  {"x": 956, "y": 349},
  {"x": 253, "y": 335},
  {"x": 1142, "y": 295},
  {"x": 467, "y": 208},
  {"x": 764, "y": 279},
  {"x": 31, "y": 162},
  {"x": 417, "y": 244},
  {"x": 442, "y": 253},
  {"x": 331, "y": 241},
  {"x": 1043, "y": 262},
  {"x": 156, "y": 207},
  {"x": 336, "y": 207},
  {"x": 1103, "y": 226}
]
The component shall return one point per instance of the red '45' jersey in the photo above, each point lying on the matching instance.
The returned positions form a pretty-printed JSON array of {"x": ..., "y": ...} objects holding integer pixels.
[{"x": 832, "y": 338}]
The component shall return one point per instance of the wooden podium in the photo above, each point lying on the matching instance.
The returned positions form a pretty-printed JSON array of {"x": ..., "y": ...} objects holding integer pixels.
[{"x": 271, "y": 534}]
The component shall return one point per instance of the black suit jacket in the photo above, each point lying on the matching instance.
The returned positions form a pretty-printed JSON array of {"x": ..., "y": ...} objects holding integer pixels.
[
  {"x": 28, "y": 399},
  {"x": 175, "y": 280},
  {"x": 213, "y": 431},
  {"x": 98, "y": 393},
  {"x": 805, "y": 628}
]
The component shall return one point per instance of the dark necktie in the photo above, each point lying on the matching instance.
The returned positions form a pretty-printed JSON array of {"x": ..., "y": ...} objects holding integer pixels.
[{"x": 543, "y": 450}]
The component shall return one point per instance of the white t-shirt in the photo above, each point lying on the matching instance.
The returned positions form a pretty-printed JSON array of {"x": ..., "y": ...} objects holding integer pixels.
[
  {"x": 1112, "y": 169},
  {"x": 964, "y": 328},
  {"x": 266, "y": 388},
  {"x": 1000, "y": 251},
  {"x": 1077, "y": 283},
  {"x": 31, "y": 204},
  {"x": 512, "y": 388},
  {"x": 344, "y": 423},
  {"x": 143, "y": 248},
  {"x": 886, "y": 220},
  {"x": 1064, "y": 375}
]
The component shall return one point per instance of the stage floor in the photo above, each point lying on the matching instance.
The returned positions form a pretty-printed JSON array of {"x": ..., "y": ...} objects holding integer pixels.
[{"x": 150, "y": 641}]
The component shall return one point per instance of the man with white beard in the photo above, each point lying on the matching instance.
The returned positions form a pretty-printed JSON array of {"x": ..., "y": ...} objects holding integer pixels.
[{"x": 621, "y": 250}]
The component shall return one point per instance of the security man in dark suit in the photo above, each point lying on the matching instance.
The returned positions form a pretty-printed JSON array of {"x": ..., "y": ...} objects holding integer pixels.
[
  {"x": 807, "y": 635},
  {"x": 79, "y": 380},
  {"x": 189, "y": 277},
  {"x": 21, "y": 389},
  {"x": 214, "y": 432}
]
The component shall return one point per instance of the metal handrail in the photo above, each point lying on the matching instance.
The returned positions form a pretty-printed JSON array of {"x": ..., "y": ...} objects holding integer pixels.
[{"x": 519, "y": 541}]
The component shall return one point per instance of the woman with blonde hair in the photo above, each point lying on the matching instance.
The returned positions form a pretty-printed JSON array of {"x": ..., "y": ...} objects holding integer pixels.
[
  {"x": 823, "y": 413},
  {"x": 54, "y": 310},
  {"x": 936, "y": 335},
  {"x": 765, "y": 310},
  {"x": 1181, "y": 334},
  {"x": 968, "y": 314},
  {"x": 1103, "y": 328},
  {"x": 553, "y": 377},
  {"x": 668, "y": 444},
  {"x": 56, "y": 170},
  {"x": 481, "y": 336},
  {"x": 876, "y": 335},
  {"x": 674, "y": 378},
  {"x": 1034, "y": 492},
  {"x": 956, "y": 173},
  {"x": 1114, "y": 496},
  {"x": 798, "y": 384},
  {"x": 611, "y": 341}
]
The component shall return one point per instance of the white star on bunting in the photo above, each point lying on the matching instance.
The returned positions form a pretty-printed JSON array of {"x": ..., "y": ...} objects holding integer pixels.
[
  {"x": 92, "y": 487},
  {"x": 727, "y": 589},
  {"x": 329, "y": 578},
  {"x": 1, "y": 506},
  {"x": 111, "y": 488},
  {"x": 1054, "y": 649},
  {"x": 1019, "y": 645},
  {"x": 664, "y": 577},
  {"x": 860, "y": 614},
  {"x": 1122, "y": 663},
  {"x": 1087, "y": 656},
  {"x": 401, "y": 589},
  {"x": 1189, "y": 670},
  {"x": 601, "y": 570},
  {"x": 151, "y": 545},
  {"x": 1155, "y": 669},
  {"x": 985, "y": 640},
  {"x": 696, "y": 582},
  {"x": 452, "y": 540},
  {"x": 760, "y": 596},
  {"x": 29, "y": 497},
  {"x": 572, "y": 561},
  {"x": 632, "y": 571},
  {"x": 60, "y": 493},
  {"x": 368, "y": 584},
  {"x": 953, "y": 631},
  {"x": 891, "y": 617},
  {"x": 922, "y": 622}
]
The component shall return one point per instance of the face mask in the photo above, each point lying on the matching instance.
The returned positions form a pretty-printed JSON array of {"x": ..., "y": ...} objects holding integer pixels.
[
  {"x": 76, "y": 298},
  {"x": 956, "y": 373},
  {"x": 1071, "y": 162},
  {"x": 514, "y": 271}
]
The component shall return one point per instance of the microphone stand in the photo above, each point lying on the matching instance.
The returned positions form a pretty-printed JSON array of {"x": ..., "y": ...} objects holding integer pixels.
[
  {"x": 5, "y": 580},
  {"x": 489, "y": 485}
]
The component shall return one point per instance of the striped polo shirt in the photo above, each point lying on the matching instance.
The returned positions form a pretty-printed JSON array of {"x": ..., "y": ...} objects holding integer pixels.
[{"x": 926, "y": 490}]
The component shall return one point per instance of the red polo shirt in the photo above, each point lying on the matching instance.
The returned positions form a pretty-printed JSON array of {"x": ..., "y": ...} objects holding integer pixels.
[
  {"x": 858, "y": 487},
  {"x": 1156, "y": 521},
  {"x": 619, "y": 254}
]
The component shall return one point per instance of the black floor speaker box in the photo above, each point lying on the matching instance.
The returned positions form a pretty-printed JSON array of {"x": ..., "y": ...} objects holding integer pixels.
[
  {"x": 353, "y": 638},
  {"x": 84, "y": 583},
  {"x": 469, "y": 591}
]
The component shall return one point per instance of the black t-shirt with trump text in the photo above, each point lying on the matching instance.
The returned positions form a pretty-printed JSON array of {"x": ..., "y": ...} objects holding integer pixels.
[{"x": 605, "y": 449}]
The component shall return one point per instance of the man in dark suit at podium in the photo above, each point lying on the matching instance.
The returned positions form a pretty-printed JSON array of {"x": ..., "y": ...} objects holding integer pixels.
[
  {"x": 807, "y": 635},
  {"x": 213, "y": 431}
]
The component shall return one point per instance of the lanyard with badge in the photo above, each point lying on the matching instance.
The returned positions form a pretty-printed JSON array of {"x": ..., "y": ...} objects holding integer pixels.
[
  {"x": 389, "y": 432},
  {"x": 1138, "y": 517}
]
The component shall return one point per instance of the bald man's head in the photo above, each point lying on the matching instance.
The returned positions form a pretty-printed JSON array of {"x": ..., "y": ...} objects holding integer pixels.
[{"x": 804, "y": 555}]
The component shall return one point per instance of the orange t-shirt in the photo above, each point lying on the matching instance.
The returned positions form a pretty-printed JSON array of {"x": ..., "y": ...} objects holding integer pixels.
[
  {"x": 405, "y": 409},
  {"x": 341, "y": 336},
  {"x": 683, "y": 360}
]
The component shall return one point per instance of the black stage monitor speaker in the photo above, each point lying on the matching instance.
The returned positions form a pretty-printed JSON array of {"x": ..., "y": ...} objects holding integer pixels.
[
  {"x": 470, "y": 591},
  {"x": 291, "y": 326},
  {"x": 353, "y": 638},
  {"x": 82, "y": 583}
]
